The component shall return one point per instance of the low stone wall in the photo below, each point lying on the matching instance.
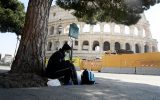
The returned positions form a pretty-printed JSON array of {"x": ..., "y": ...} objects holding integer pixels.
[
  {"x": 133, "y": 70},
  {"x": 150, "y": 71},
  {"x": 118, "y": 70}
]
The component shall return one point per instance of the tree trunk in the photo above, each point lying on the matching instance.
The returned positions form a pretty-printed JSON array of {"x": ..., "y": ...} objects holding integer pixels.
[{"x": 30, "y": 56}]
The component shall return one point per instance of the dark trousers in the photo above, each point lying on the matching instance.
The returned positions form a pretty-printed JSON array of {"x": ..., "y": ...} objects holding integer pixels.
[{"x": 65, "y": 72}]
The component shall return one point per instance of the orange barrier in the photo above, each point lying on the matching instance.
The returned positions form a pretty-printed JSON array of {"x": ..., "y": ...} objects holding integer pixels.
[
  {"x": 132, "y": 60},
  {"x": 151, "y": 60},
  {"x": 93, "y": 65}
]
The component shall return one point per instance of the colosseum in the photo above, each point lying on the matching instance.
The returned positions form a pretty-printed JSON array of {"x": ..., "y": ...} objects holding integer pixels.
[{"x": 94, "y": 40}]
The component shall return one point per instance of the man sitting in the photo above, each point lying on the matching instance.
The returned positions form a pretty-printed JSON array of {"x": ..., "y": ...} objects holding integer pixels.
[{"x": 57, "y": 66}]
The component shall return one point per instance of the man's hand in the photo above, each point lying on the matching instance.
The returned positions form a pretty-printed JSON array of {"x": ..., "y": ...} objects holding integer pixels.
[{"x": 71, "y": 61}]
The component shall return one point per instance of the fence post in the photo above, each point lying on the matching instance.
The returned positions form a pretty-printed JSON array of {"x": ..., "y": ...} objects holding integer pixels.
[{"x": 135, "y": 71}]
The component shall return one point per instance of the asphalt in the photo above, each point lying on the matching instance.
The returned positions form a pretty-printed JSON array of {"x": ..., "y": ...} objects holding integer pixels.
[{"x": 109, "y": 87}]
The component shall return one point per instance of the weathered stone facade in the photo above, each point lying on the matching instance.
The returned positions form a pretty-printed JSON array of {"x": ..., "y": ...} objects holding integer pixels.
[{"x": 94, "y": 40}]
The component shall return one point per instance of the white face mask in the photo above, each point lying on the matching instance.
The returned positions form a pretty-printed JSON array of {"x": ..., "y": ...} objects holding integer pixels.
[{"x": 67, "y": 55}]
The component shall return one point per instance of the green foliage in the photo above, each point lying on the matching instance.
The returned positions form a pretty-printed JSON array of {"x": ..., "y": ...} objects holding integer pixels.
[
  {"x": 118, "y": 11},
  {"x": 12, "y": 16}
]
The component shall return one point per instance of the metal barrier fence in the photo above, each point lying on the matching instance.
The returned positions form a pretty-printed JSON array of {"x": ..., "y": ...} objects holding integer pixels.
[{"x": 132, "y": 60}]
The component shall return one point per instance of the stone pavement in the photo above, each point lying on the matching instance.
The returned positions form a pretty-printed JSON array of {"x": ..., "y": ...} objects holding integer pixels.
[{"x": 109, "y": 87}]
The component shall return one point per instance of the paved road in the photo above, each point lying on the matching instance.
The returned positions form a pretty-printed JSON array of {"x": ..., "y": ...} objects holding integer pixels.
[{"x": 109, "y": 87}]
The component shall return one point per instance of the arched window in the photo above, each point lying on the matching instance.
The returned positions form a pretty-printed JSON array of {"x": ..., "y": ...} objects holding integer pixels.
[
  {"x": 56, "y": 45},
  {"x": 146, "y": 48},
  {"x": 75, "y": 47},
  {"x": 52, "y": 30},
  {"x": 54, "y": 14},
  {"x": 59, "y": 29},
  {"x": 127, "y": 30},
  {"x": 137, "y": 48},
  {"x": 96, "y": 28},
  {"x": 95, "y": 45},
  {"x": 85, "y": 45},
  {"x": 76, "y": 43},
  {"x": 86, "y": 28},
  {"x": 153, "y": 49},
  {"x": 106, "y": 46},
  {"x": 117, "y": 29},
  {"x": 128, "y": 46},
  {"x": 136, "y": 31},
  {"x": 49, "y": 47},
  {"x": 117, "y": 46},
  {"x": 107, "y": 28}
]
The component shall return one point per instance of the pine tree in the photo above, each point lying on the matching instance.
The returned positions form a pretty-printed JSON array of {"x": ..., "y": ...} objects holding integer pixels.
[
  {"x": 12, "y": 16},
  {"x": 119, "y": 11}
]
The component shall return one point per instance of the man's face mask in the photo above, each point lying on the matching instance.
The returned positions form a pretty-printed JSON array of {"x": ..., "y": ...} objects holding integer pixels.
[{"x": 67, "y": 54}]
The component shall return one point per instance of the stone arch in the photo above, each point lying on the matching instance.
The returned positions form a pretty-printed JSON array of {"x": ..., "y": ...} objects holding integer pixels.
[
  {"x": 127, "y": 30},
  {"x": 117, "y": 46},
  {"x": 117, "y": 29},
  {"x": 86, "y": 28},
  {"x": 96, "y": 28},
  {"x": 137, "y": 48},
  {"x": 56, "y": 45},
  {"x": 49, "y": 47},
  {"x": 85, "y": 45},
  {"x": 59, "y": 29},
  {"x": 146, "y": 48},
  {"x": 128, "y": 47},
  {"x": 107, "y": 28},
  {"x": 95, "y": 44},
  {"x": 153, "y": 49},
  {"x": 51, "y": 30},
  {"x": 106, "y": 46},
  {"x": 76, "y": 42}
]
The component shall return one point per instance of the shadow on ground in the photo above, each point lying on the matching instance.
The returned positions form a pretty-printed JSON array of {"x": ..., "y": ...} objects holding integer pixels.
[{"x": 106, "y": 89}]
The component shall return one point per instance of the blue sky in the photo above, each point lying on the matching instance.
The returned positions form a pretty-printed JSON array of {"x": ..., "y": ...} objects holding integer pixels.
[{"x": 8, "y": 40}]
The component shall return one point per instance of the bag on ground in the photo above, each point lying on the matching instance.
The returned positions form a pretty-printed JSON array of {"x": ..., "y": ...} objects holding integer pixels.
[
  {"x": 53, "y": 82},
  {"x": 87, "y": 77}
]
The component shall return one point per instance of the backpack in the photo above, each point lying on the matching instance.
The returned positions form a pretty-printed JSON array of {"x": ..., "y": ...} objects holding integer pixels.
[{"x": 87, "y": 77}]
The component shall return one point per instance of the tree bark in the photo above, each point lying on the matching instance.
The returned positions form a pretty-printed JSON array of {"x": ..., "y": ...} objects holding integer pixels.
[{"x": 30, "y": 57}]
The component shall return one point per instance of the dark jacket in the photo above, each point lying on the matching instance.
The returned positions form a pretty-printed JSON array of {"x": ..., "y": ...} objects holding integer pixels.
[{"x": 55, "y": 61}]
